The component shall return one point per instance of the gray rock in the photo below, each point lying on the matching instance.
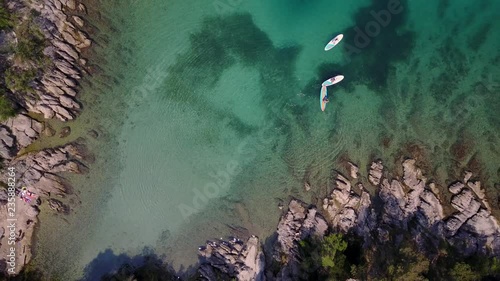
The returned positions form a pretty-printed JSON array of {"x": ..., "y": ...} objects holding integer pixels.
[
  {"x": 84, "y": 40},
  {"x": 62, "y": 113},
  {"x": 375, "y": 173},
  {"x": 58, "y": 206},
  {"x": 67, "y": 68},
  {"x": 467, "y": 176},
  {"x": 465, "y": 203},
  {"x": 354, "y": 170},
  {"x": 8, "y": 148},
  {"x": 49, "y": 131},
  {"x": 93, "y": 134},
  {"x": 82, "y": 8},
  {"x": 476, "y": 187},
  {"x": 68, "y": 49},
  {"x": 47, "y": 112},
  {"x": 68, "y": 102},
  {"x": 244, "y": 261},
  {"x": 431, "y": 208},
  {"x": 483, "y": 224},
  {"x": 298, "y": 223},
  {"x": 39, "y": 170},
  {"x": 71, "y": 4},
  {"x": 393, "y": 197},
  {"x": 411, "y": 173},
  {"x": 456, "y": 187},
  {"x": 24, "y": 129},
  {"x": 3, "y": 195}
]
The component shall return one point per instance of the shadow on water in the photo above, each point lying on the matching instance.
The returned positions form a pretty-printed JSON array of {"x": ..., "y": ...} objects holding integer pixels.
[
  {"x": 373, "y": 60},
  {"x": 145, "y": 266},
  {"x": 108, "y": 261},
  {"x": 231, "y": 40}
]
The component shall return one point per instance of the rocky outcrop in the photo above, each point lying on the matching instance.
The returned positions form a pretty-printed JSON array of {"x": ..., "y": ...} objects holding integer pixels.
[
  {"x": 298, "y": 223},
  {"x": 235, "y": 258},
  {"x": 52, "y": 94},
  {"x": 55, "y": 91},
  {"x": 16, "y": 133},
  {"x": 245, "y": 260},
  {"x": 346, "y": 208},
  {"x": 409, "y": 205},
  {"x": 39, "y": 170},
  {"x": 413, "y": 205},
  {"x": 39, "y": 173}
]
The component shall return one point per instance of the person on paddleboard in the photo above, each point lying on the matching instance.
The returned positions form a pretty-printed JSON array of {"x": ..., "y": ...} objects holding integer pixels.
[{"x": 325, "y": 99}]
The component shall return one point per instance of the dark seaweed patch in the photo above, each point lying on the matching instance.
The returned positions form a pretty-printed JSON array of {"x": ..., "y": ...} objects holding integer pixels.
[
  {"x": 221, "y": 43},
  {"x": 479, "y": 37},
  {"x": 455, "y": 68},
  {"x": 442, "y": 7},
  {"x": 373, "y": 62}
]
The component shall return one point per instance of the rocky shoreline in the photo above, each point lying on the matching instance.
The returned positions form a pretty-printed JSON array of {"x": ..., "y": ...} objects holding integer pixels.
[
  {"x": 52, "y": 94},
  {"x": 409, "y": 204}
]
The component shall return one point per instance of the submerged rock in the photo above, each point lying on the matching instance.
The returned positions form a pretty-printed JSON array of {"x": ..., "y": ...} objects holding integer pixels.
[
  {"x": 58, "y": 206},
  {"x": 65, "y": 131}
]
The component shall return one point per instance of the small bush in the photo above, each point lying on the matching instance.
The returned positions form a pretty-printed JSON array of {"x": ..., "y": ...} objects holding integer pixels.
[
  {"x": 463, "y": 272},
  {"x": 6, "y": 108},
  {"x": 5, "y": 21},
  {"x": 30, "y": 42},
  {"x": 18, "y": 80},
  {"x": 324, "y": 259}
]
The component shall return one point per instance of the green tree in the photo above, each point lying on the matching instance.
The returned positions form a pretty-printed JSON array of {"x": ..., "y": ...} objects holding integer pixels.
[
  {"x": 18, "y": 80},
  {"x": 332, "y": 249},
  {"x": 324, "y": 259},
  {"x": 463, "y": 272},
  {"x": 30, "y": 42},
  {"x": 5, "y": 21}
]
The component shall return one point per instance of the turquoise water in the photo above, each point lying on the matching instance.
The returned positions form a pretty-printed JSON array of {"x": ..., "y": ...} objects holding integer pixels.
[{"x": 209, "y": 116}]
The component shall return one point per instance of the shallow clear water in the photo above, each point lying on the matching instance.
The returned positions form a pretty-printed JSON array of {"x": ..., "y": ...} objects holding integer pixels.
[{"x": 209, "y": 116}]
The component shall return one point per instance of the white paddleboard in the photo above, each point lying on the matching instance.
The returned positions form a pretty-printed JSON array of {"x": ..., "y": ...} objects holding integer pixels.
[
  {"x": 322, "y": 95},
  {"x": 333, "y": 80},
  {"x": 334, "y": 42}
]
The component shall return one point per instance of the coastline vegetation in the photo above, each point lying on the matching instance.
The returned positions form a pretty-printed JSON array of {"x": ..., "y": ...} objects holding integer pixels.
[
  {"x": 21, "y": 60},
  {"x": 4, "y": 17},
  {"x": 6, "y": 107},
  {"x": 335, "y": 257},
  {"x": 324, "y": 259}
]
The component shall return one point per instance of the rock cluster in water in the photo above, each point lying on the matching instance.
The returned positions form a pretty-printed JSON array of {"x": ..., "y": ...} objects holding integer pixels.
[{"x": 410, "y": 204}]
